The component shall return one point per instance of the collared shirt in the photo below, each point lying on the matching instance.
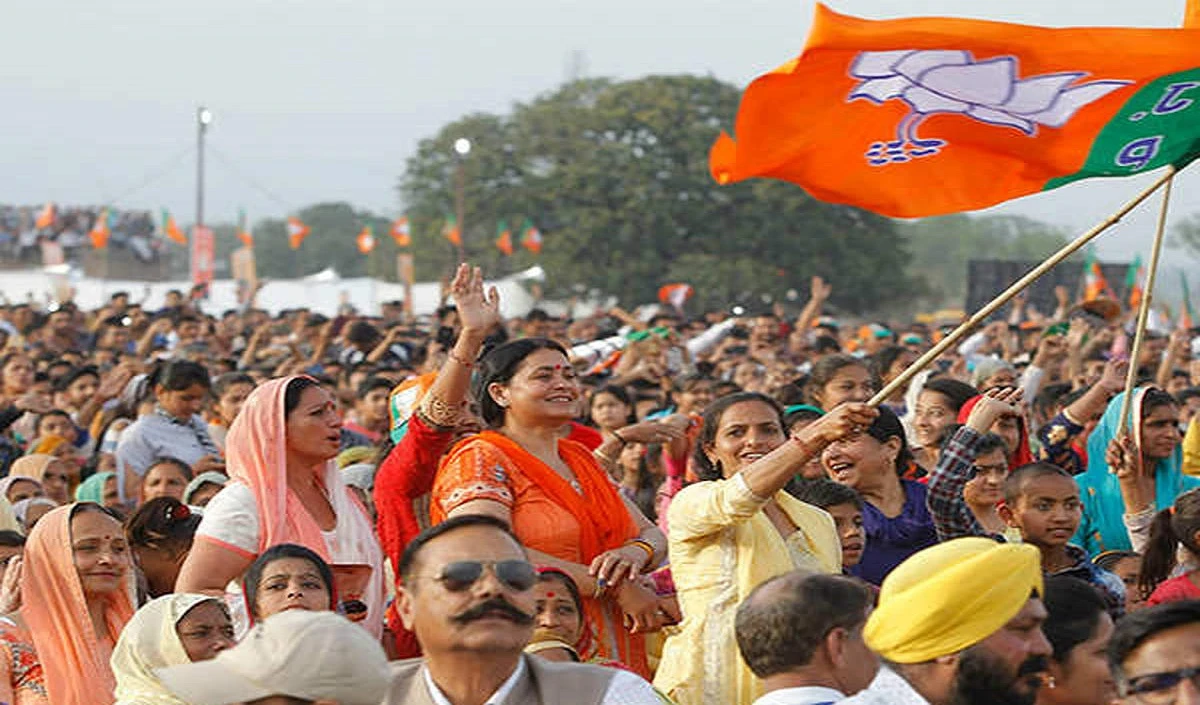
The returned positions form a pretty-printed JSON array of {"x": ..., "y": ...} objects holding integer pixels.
[
  {"x": 153, "y": 436},
  {"x": 803, "y": 695},
  {"x": 956, "y": 467},
  {"x": 626, "y": 688}
]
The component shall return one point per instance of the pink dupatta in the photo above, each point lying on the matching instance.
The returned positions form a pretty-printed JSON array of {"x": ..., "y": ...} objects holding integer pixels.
[
  {"x": 74, "y": 662},
  {"x": 256, "y": 456}
]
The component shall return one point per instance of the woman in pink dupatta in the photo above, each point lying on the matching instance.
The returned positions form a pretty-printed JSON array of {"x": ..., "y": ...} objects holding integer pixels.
[
  {"x": 285, "y": 488},
  {"x": 77, "y": 586}
]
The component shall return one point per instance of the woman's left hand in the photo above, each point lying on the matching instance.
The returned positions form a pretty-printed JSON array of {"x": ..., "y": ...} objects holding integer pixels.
[
  {"x": 612, "y": 568},
  {"x": 650, "y": 432},
  {"x": 641, "y": 608}
]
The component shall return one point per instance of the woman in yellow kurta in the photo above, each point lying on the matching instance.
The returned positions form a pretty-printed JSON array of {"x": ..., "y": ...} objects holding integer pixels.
[{"x": 735, "y": 530}]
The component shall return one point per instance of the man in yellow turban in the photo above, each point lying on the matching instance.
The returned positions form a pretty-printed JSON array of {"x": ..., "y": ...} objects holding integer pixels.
[{"x": 960, "y": 623}]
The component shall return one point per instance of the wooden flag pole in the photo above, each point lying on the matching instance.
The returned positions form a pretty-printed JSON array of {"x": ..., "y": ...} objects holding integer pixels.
[
  {"x": 988, "y": 309},
  {"x": 1139, "y": 332}
]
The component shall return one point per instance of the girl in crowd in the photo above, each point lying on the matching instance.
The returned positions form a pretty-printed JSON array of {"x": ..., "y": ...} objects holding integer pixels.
[
  {"x": 100, "y": 488},
  {"x": 895, "y": 515},
  {"x": 203, "y": 487},
  {"x": 553, "y": 492},
  {"x": 937, "y": 407},
  {"x": 1152, "y": 481},
  {"x": 737, "y": 528},
  {"x": 175, "y": 429},
  {"x": 168, "y": 631},
  {"x": 846, "y": 508},
  {"x": 1172, "y": 528},
  {"x": 1011, "y": 427},
  {"x": 839, "y": 378},
  {"x": 51, "y": 473},
  {"x": 287, "y": 577},
  {"x": 76, "y": 579},
  {"x": 14, "y": 488},
  {"x": 229, "y": 392},
  {"x": 889, "y": 363},
  {"x": 1126, "y": 565},
  {"x": 1078, "y": 628},
  {"x": 166, "y": 477},
  {"x": 160, "y": 535},
  {"x": 285, "y": 488},
  {"x": 16, "y": 381},
  {"x": 797, "y": 417},
  {"x": 641, "y": 475},
  {"x": 611, "y": 408}
]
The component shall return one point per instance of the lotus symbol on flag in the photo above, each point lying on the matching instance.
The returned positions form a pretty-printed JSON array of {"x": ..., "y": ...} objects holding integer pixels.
[{"x": 949, "y": 81}]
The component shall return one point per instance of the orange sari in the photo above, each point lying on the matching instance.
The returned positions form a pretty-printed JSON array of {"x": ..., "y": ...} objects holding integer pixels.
[
  {"x": 74, "y": 659},
  {"x": 548, "y": 515}
]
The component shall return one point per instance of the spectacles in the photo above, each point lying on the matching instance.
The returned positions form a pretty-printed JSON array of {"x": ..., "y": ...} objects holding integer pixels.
[
  {"x": 1160, "y": 688},
  {"x": 515, "y": 575}
]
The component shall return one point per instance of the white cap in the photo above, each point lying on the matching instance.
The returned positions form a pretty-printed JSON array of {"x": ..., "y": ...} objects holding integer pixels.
[{"x": 297, "y": 653}]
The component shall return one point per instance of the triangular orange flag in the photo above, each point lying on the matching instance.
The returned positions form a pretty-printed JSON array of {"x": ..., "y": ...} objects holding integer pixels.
[
  {"x": 401, "y": 233},
  {"x": 46, "y": 217},
  {"x": 297, "y": 231},
  {"x": 365, "y": 240},
  {"x": 171, "y": 229},
  {"x": 100, "y": 231}
]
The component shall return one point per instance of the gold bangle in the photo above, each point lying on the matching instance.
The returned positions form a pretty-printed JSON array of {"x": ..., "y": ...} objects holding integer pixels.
[{"x": 645, "y": 546}]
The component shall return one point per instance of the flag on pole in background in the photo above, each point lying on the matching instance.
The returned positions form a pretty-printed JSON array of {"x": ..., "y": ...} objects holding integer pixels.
[
  {"x": 451, "y": 231},
  {"x": 1187, "y": 317},
  {"x": 171, "y": 230},
  {"x": 243, "y": 229},
  {"x": 1135, "y": 281},
  {"x": 531, "y": 237},
  {"x": 504, "y": 241},
  {"x": 1094, "y": 283},
  {"x": 365, "y": 240},
  {"x": 100, "y": 231},
  {"x": 297, "y": 231},
  {"x": 400, "y": 232},
  {"x": 926, "y": 116},
  {"x": 45, "y": 217},
  {"x": 675, "y": 294}
]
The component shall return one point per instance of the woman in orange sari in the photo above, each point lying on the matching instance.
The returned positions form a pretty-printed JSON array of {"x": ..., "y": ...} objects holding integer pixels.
[
  {"x": 561, "y": 504},
  {"x": 77, "y": 583}
]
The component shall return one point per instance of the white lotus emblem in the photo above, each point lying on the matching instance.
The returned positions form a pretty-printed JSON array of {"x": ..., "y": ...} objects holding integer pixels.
[{"x": 945, "y": 81}]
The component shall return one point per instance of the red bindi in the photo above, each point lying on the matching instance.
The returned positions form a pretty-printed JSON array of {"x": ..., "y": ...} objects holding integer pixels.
[{"x": 550, "y": 594}]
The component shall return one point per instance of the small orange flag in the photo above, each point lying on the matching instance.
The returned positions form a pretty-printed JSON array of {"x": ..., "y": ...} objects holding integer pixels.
[
  {"x": 100, "y": 231},
  {"x": 452, "y": 232},
  {"x": 243, "y": 230},
  {"x": 365, "y": 240},
  {"x": 531, "y": 237},
  {"x": 401, "y": 233},
  {"x": 46, "y": 217},
  {"x": 927, "y": 116},
  {"x": 504, "y": 241},
  {"x": 297, "y": 231},
  {"x": 171, "y": 229}
]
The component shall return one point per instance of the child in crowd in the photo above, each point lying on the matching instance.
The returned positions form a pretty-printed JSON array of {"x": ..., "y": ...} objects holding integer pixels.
[
  {"x": 844, "y": 505},
  {"x": 1042, "y": 502},
  {"x": 1126, "y": 565},
  {"x": 1172, "y": 528}
]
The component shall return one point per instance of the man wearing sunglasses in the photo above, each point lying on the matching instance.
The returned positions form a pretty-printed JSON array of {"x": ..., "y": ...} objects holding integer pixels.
[
  {"x": 467, "y": 593},
  {"x": 1155, "y": 655}
]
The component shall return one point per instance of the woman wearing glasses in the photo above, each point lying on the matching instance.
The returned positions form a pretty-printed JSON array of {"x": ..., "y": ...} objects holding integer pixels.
[
  {"x": 553, "y": 492},
  {"x": 285, "y": 488}
]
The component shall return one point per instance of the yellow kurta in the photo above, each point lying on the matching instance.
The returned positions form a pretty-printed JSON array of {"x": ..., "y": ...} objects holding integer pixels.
[{"x": 722, "y": 546}]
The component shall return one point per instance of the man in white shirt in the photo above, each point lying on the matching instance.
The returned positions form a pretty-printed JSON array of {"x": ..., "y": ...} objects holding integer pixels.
[
  {"x": 802, "y": 634},
  {"x": 467, "y": 593}
]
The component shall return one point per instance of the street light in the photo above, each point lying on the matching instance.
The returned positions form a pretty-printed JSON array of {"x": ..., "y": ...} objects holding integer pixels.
[
  {"x": 204, "y": 118},
  {"x": 462, "y": 147}
]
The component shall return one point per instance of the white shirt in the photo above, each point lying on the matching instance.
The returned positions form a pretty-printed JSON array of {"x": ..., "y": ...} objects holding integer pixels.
[
  {"x": 888, "y": 688},
  {"x": 625, "y": 688},
  {"x": 802, "y": 695}
]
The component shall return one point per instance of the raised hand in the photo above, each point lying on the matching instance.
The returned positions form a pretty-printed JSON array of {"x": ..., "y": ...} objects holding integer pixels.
[
  {"x": 478, "y": 310},
  {"x": 847, "y": 419},
  {"x": 1113, "y": 377},
  {"x": 820, "y": 289},
  {"x": 995, "y": 403}
]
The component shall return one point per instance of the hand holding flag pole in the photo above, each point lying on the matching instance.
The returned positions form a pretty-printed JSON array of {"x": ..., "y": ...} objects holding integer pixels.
[
  {"x": 1021, "y": 284},
  {"x": 1139, "y": 332}
]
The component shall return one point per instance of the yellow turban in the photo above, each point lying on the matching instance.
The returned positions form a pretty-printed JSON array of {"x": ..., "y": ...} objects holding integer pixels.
[{"x": 951, "y": 596}]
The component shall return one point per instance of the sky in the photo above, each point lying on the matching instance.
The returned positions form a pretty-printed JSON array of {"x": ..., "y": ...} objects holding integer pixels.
[{"x": 319, "y": 100}]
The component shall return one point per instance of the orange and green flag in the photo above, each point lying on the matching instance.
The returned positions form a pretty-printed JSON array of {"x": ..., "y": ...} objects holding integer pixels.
[
  {"x": 297, "y": 231},
  {"x": 401, "y": 233},
  {"x": 927, "y": 116},
  {"x": 1094, "y": 283},
  {"x": 100, "y": 231},
  {"x": 1135, "y": 281},
  {"x": 504, "y": 240},
  {"x": 171, "y": 229},
  {"x": 1187, "y": 317},
  {"x": 451, "y": 231},
  {"x": 243, "y": 230},
  {"x": 365, "y": 240},
  {"x": 531, "y": 237}
]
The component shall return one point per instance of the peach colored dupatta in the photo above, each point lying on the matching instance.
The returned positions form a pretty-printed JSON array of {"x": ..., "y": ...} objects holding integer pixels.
[
  {"x": 74, "y": 661},
  {"x": 256, "y": 456}
]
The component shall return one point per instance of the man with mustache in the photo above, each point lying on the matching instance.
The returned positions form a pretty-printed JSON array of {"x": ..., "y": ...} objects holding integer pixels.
[
  {"x": 960, "y": 623},
  {"x": 466, "y": 591}
]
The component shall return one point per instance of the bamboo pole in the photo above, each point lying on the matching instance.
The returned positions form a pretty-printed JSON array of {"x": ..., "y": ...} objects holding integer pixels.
[
  {"x": 988, "y": 309},
  {"x": 1139, "y": 332}
]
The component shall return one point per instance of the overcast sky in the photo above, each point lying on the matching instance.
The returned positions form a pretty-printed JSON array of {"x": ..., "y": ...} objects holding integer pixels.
[{"x": 323, "y": 100}]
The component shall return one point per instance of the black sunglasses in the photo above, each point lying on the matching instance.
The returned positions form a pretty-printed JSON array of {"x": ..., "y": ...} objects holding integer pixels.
[
  {"x": 1159, "y": 688},
  {"x": 515, "y": 575}
]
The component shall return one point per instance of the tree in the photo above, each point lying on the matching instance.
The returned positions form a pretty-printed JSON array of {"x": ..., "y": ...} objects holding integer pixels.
[
  {"x": 1185, "y": 235},
  {"x": 942, "y": 246},
  {"x": 615, "y": 174}
]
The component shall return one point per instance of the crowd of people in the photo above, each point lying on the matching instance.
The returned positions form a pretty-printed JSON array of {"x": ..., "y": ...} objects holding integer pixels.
[
  {"x": 203, "y": 508},
  {"x": 23, "y": 229}
]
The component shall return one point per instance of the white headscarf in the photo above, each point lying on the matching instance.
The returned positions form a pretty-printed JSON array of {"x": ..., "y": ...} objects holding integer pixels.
[{"x": 148, "y": 642}]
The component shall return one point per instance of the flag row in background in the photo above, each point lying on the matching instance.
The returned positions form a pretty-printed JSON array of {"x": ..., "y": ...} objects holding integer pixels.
[{"x": 1096, "y": 286}]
